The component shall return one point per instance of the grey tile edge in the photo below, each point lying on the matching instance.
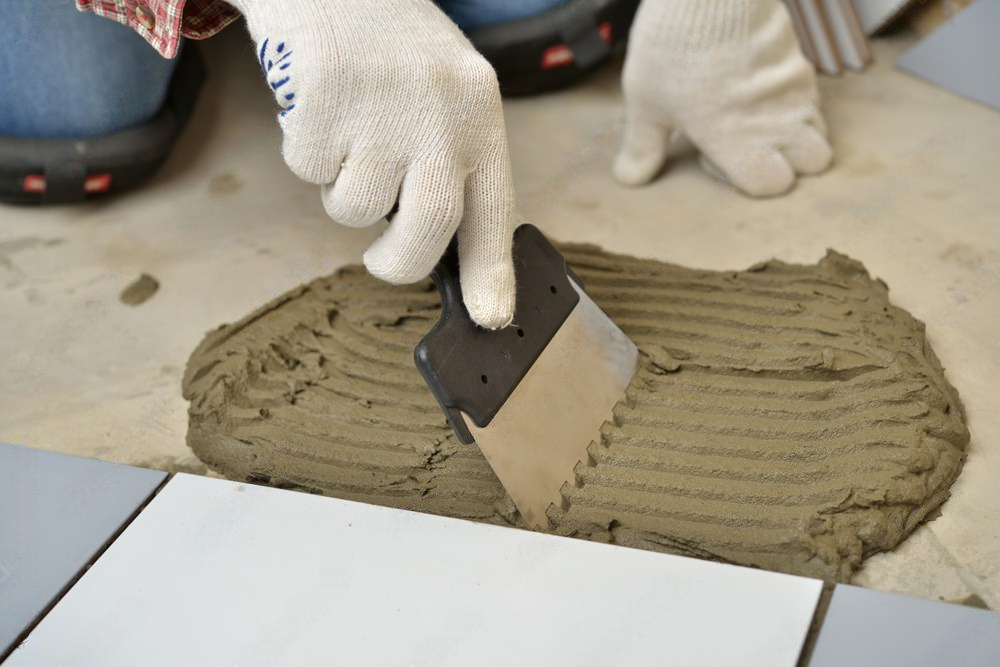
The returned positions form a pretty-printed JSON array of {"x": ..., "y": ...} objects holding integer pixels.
[{"x": 6, "y": 651}]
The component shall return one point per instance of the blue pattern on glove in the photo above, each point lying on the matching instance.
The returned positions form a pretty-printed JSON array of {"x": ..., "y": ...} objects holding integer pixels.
[{"x": 275, "y": 63}]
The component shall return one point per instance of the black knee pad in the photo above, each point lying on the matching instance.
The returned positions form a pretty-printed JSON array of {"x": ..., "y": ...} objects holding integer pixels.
[
  {"x": 556, "y": 48},
  {"x": 60, "y": 171}
]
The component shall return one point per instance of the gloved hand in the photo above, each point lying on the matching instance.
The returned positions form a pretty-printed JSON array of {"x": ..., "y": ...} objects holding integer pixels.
[
  {"x": 730, "y": 75},
  {"x": 387, "y": 99}
]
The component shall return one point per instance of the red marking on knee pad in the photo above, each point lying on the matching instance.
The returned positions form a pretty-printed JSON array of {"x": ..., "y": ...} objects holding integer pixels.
[{"x": 561, "y": 55}]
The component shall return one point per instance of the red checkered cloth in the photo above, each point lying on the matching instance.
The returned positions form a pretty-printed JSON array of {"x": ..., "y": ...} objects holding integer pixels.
[{"x": 196, "y": 19}]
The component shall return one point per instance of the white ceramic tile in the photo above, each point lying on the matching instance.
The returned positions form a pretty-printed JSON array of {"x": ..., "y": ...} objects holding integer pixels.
[
  {"x": 962, "y": 54},
  {"x": 933, "y": 574},
  {"x": 865, "y": 628},
  {"x": 56, "y": 512},
  {"x": 219, "y": 573}
]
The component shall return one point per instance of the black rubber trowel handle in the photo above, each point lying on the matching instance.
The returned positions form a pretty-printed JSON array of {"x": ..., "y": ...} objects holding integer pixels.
[{"x": 473, "y": 370}]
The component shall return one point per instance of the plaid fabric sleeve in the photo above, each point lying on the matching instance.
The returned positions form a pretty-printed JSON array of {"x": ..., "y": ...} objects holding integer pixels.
[{"x": 163, "y": 22}]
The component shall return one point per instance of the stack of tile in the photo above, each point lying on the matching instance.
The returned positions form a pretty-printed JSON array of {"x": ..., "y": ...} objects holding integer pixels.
[{"x": 831, "y": 34}]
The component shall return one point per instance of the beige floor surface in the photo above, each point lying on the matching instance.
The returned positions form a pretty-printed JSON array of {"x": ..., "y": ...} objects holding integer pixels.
[{"x": 914, "y": 195}]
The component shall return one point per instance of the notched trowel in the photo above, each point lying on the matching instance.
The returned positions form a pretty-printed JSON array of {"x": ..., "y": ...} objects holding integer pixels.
[{"x": 533, "y": 395}]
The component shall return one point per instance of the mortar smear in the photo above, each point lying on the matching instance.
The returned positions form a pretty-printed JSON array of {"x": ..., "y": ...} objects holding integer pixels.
[{"x": 785, "y": 417}]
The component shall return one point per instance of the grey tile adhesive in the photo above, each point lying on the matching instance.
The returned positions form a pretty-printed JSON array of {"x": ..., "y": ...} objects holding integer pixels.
[
  {"x": 962, "y": 55},
  {"x": 866, "y": 628},
  {"x": 784, "y": 417},
  {"x": 56, "y": 513}
]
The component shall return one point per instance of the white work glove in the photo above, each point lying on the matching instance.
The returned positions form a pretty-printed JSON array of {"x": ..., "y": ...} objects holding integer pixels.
[
  {"x": 387, "y": 99},
  {"x": 731, "y": 76}
]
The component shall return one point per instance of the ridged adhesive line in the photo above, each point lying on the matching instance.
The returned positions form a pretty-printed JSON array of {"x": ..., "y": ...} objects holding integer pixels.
[{"x": 784, "y": 417}]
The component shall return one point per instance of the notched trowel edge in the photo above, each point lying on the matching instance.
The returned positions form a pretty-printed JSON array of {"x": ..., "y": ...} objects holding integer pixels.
[{"x": 534, "y": 395}]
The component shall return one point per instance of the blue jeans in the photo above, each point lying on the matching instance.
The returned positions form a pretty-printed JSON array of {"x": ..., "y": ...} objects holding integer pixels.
[
  {"x": 67, "y": 74},
  {"x": 472, "y": 14}
]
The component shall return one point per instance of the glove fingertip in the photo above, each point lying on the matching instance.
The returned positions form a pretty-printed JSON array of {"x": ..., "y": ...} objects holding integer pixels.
[
  {"x": 489, "y": 292},
  {"x": 769, "y": 175},
  {"x": 811, "y": 155},
  {"x": 634, "y": 171},
  {"x": 491, "y": 311},
  {"x": 384, "y": 267},
  {"x": 639, "y": 162}
]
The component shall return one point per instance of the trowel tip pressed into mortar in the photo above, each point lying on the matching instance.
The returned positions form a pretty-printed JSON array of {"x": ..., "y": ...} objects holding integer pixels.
[{"x": 534, "y": 395}]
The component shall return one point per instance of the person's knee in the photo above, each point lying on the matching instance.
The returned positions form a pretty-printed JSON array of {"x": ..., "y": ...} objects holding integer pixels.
[{"x": 71, "y": 74}]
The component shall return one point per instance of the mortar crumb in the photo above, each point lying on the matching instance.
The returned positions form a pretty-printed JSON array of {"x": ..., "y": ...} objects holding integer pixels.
[{"x": 140, "y": 290}]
